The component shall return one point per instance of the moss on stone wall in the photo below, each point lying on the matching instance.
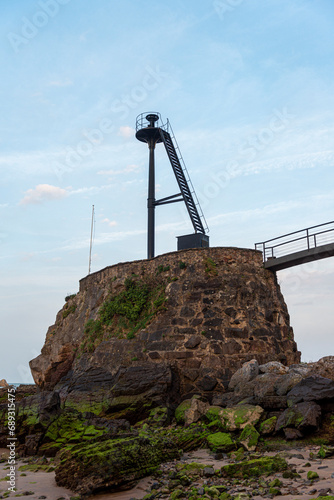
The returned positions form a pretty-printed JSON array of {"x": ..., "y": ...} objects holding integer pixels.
[{"x": 123, "y": 314}]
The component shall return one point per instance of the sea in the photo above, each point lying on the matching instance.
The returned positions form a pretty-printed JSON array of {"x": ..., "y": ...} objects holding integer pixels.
[{"x": 15, "y": 384}]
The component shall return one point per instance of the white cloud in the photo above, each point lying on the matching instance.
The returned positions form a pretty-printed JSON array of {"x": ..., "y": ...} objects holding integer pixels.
[
  {"x": 126, "y": 132},
  {"x": 111, "y": 223},
  {"x": 43, "y": 192}
]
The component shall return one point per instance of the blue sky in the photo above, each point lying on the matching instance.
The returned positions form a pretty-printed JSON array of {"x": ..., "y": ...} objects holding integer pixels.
[{"x": 248, "y": 87}]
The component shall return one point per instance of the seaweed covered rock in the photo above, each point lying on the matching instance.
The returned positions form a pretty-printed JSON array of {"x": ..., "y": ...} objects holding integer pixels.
[
  {"x": 196, "y": 411},
  {"x": 109, "y": 464},
  {"x": 221, "y": 441},
  {"x": 249, "y": 437},
  {"x": 268, "y": 426},
  {"x": 239, "y": 416},
  {"x": 255, "y": 468}
]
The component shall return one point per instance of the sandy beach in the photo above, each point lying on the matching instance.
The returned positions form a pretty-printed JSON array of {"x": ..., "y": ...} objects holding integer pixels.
[{"x": 42, "y": 485}]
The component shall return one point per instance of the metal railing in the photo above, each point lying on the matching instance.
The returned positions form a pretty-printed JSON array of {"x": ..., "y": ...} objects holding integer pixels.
[
  {"x": 305, "y": 239},
  {"x": 142, "y": 122}
]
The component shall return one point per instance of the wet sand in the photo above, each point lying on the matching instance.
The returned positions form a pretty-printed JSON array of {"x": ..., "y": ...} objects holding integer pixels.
[{"x": 43, "y": 484}]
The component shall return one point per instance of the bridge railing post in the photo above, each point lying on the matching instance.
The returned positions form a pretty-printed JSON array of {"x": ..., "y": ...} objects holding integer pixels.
[{"x": 308, "y": 239}]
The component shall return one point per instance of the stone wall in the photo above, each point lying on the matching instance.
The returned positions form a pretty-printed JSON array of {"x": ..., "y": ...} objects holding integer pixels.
[{"x": 223, "y": 308}]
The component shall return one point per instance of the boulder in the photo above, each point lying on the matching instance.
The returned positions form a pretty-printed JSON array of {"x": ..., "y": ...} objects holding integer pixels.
[
  {"x": 249, "y": 438},
  {"x": 273, "y": 367},
  {"x": 180, "y": 412},
  {"x": 118, "y": 463},
  {"x": 247, "y": 372},
  {"x": 287, "y": 381},
  {"x": 303, "y": 416},
  {"x": 196, "y": 411},
  {"x": 3, "y": 383},
  {"x": 324, "y": 367},
  {"x": 292, "y": 434},
  {"x": 255, "y": 468},
  {"x": 268, "y": 426},
  {"x": 221, "y": 442},
  {"x": 302, "y": 369},
  {"x": 239, "y": 416},
  {"x": 313, "y": 388}
]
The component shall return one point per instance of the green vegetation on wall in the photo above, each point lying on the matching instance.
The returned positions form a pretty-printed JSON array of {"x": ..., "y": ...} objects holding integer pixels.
[{"x": 123, "y": 314}]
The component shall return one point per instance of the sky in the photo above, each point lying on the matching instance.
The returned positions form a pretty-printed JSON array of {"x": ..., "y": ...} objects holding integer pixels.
[{"x": 248, "y": 87}]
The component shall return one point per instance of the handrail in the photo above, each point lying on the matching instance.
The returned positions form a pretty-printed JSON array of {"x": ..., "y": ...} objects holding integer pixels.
[
  {"x": 187, "y": 176},
  {"x": 307, "y": 235}
]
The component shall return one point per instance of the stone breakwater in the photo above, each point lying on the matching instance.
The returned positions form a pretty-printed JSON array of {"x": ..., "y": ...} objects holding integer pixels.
[{"x": 142, "y": 333}]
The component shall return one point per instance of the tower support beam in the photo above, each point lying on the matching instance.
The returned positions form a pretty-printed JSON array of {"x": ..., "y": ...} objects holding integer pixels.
[{"x": 151, "y": 201}]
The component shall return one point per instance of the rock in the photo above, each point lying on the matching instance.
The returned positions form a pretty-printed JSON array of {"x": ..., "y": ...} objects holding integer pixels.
[
  {"x": 32, "y": 443},
  {"x": 213, "y": 413},
  {"x": 49, "y": 406},
  {"x": 324, "y": 492},
  {"x": 312, "y": 388},
  {"x": 291, "y": 434},
  {"x": 196, "y": 411},
  {"x": 285, "y": 383},
  {"x": 117, "y": 463},
  {"x": 276, "y": 483},
  {"x": 302, "y": 369},
  {"x": 3, "y": 383},
  {"x": 247, "y": 372},
  {"x": 239, "y": 416},
  {"x": 255, "y": 468},
  {"x": 323, "y": 368},
  {"x": 275, "y": 492},
  {"x": 221, "y": 442},
  {"x": 181, "y": 410},
  {"x": 176, "y": 494},
  {"x": 311, "y": 475},
  {"x": 241, "y": 496},
  {"x": 208, "y": 471},
  {"x": 325, "y": 451},
  {"x": 249, "y": 438},
  {"x": 193, "y": 342},
  {"x": 273, "y": 367},
  {"x": 302, "y": 416},
  {"x": 268, "y": 426}
]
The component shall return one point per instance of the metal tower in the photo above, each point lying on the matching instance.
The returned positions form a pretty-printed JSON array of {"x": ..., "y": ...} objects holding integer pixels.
[{"x": 150, "y": 129}]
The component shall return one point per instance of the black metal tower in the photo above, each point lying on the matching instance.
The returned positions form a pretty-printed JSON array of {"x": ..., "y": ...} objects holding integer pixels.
[{"x": 150, "y": 129}]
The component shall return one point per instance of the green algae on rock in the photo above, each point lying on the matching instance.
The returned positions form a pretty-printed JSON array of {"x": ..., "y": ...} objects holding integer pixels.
[
  {"x": 220, "y": 441},
  {"x": 112, "y": 463},
  {"x": 255, "y": 468},
  {"x": 249, "y": 437},
  {"x": 237, "y": 417},
  {"x": 180, "y": 411},
  {"x": 268, "y": 426}
]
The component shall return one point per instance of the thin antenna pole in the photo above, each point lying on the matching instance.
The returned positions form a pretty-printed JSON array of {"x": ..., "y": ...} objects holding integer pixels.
[{"x": 91, "y": 241}]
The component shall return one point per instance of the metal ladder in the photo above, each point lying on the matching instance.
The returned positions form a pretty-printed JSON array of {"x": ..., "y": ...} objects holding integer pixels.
[{"x": 183, "y": 179}]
